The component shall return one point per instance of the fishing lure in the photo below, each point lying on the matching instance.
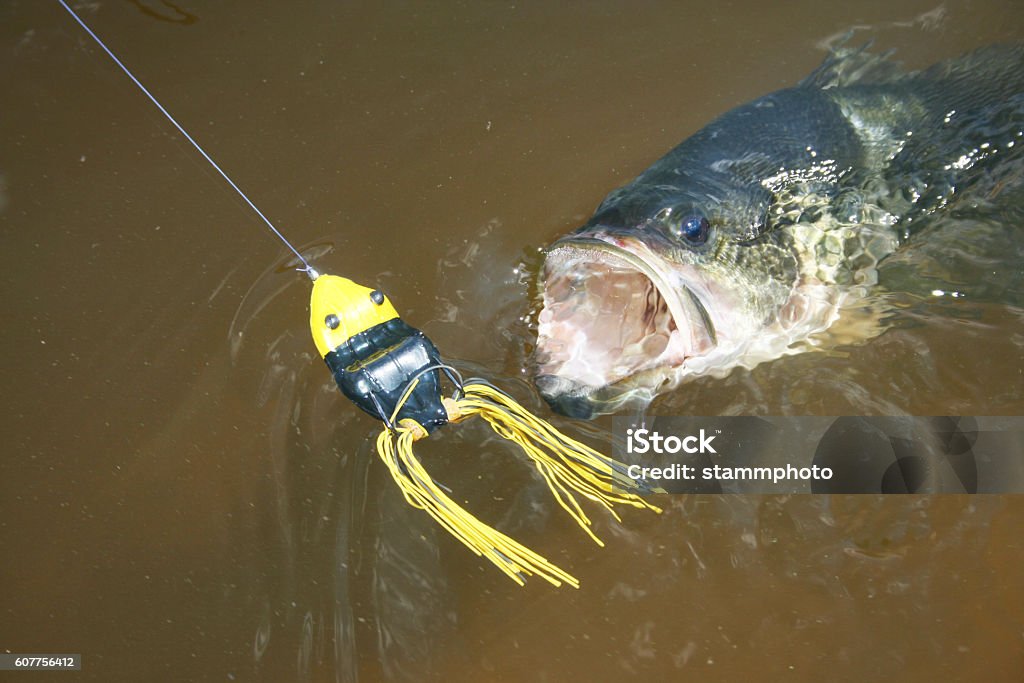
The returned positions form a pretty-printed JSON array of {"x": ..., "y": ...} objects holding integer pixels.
[{"x": 395, "y": 373}]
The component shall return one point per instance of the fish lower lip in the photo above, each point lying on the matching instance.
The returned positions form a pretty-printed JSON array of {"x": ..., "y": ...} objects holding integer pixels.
[{"x": 565, "y": 396}]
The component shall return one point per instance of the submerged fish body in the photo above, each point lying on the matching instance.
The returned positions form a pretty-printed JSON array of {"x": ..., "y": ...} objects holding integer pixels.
[{"x": 759, "y": 232}]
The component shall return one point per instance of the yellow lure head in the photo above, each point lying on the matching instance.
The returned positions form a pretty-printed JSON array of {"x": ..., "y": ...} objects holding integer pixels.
[{"x": 339, "y": 309}]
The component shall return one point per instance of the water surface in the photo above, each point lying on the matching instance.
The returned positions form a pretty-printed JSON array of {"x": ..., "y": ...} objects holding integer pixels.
[{"x": 187, "y": 497}]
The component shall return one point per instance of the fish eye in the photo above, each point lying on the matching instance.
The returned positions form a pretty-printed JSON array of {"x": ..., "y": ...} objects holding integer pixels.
[
  {"x": 693, "y": 229},
  {"x": 332, "y": 321}
]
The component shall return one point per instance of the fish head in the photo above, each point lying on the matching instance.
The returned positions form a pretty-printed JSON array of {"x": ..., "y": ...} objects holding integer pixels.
[{"x": 658, "y": 286}]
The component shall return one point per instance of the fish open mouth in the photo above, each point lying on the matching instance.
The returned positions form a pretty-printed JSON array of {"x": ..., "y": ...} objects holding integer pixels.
[{"x": 609, "y": 316}]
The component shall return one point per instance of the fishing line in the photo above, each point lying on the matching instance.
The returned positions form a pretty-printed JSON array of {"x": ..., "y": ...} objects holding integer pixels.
[
  {"x": 393, "y": 372},
  {"x": 308, "y": 269}
]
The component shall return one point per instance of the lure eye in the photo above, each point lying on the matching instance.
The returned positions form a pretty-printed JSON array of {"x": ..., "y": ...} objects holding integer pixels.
[
  {"x": 694, "y": 229},
  {"x": 332, "y": 321},
  {"x": 377, "y": 297}
]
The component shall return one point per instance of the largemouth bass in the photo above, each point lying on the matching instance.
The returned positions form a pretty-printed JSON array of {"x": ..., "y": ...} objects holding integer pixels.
[{"x": 753, "y": 237}]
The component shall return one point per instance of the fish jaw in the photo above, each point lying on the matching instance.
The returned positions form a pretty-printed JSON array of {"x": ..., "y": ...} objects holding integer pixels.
[
  {"x": 625, "y": 319},
  {"x": 618, "y": 325}
]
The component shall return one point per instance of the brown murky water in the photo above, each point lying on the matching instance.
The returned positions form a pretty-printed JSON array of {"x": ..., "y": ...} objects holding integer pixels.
[{"x": 187, "y": 497}]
